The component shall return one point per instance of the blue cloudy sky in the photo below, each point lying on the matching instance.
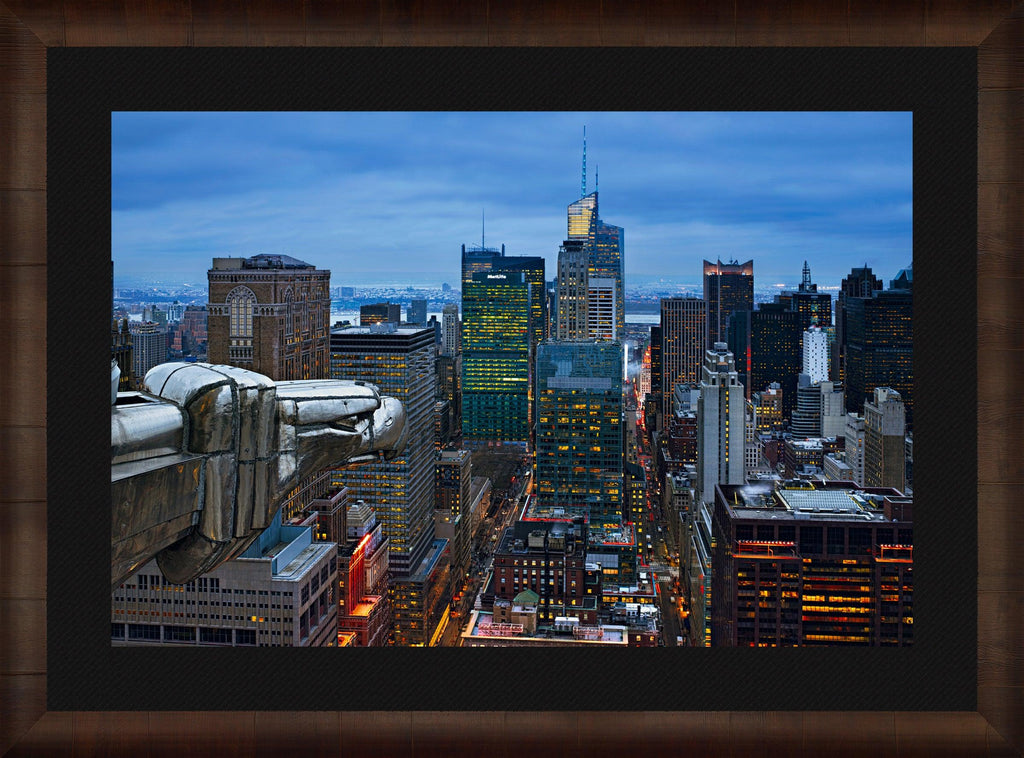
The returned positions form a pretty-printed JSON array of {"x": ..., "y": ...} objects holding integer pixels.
[{"x": 391, "y": 197}]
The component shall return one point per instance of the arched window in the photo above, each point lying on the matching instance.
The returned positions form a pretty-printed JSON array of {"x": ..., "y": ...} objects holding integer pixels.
[{"x": 241, "y": 303}]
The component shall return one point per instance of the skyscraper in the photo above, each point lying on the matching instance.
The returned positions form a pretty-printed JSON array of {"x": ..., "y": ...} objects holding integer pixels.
[
  {"x": 815, "y": 350},
  {"x": 417, "y": 314},
  {"x": 683, "y": 327},
  {"x": 573, "y": 289},
  {"x": 451, "y": 330},
  {"x": 604, "y": 244},
  {"x": 859, "y": 283},
  {"x": 833, "y": 409},
  {"x": 364, "y": 609},
  {"x": 496, "y": 357},
  {"x": 379, "y": 313},
  {"x": 532, "y": 267},
  {"x": 721, "y": 419},
  {"x": 453, "y": 472},
  {"x": 853, "y": 449},
  {"x": 651, "y": 420},
  {"x": 148, "y": 349},
  {"x": 270, "y": 314},
  {"x": 607, "y": 261},
  {"x": 728, "y": 287},
  {"x": 806, "y": 419},
  {"x": 121, "y": 352},
  {"x": 400, "y": 362},
  {"x": 769, "y": 340},
  {"x": 579, "y": 429},
  {"x": 602, "y": 307},
  {"x": 477, "y": 259},
  {"x": 582, "y": 218},
  {"x": 885, "y": 431},
  {"x": 815, "y": 565},
  {"x": 879, "y": 347},
  {"x": 815, "y": 308},
  {"x": 449, "y": 391}
]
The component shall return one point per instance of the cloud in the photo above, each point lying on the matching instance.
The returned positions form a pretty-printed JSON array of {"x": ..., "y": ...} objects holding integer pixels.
[{"x": 364, "y": 192}]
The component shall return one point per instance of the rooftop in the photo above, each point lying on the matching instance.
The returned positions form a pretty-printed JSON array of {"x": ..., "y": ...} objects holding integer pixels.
[
  {"x": 806, "y": 500},
  {"x": 266, "y": 260},
  {"x": 390, "y": 328},
  {"x": 300, "y": 564},
  {"x": 482, "y": 625},
  {"x": 548, "y": 512}
]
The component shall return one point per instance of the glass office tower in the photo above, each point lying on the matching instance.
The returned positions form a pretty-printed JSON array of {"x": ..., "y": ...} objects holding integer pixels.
[
  {"x": 496, "y": 357},
  {"x": 579, "y": 428},
  {"x": 478, "y": 259},
  {"x": 582, "y": 217},
  {"x": 532, "y": 267},
  {"x": 604, "y": 245},
  {"x": 607, "y": 261}
]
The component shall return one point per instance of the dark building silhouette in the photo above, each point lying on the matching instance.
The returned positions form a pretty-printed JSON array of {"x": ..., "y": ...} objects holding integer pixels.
[
  {"x": 417, "y": 315},
  {"x": 728, "y": 287},
  {"x": 657, "y": 378},
  {"x": 769, "y": 343},
  {"x": 815, "y": 308},
  {"x": 380, "y": 313},
  {"x": 121, "y": 351},
  {"x": 879, "y": 347},
  {"x": 859, "y": 283},
  {"x": 449, "y": 389},
  {"x": 120, "y": 343}
]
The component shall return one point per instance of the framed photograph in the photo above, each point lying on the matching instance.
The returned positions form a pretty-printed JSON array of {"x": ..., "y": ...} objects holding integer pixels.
[{"x": 57, "y": 197}]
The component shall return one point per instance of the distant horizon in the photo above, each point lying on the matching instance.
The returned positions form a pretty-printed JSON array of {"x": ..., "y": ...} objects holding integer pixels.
[{"x": 386, "y": 279}]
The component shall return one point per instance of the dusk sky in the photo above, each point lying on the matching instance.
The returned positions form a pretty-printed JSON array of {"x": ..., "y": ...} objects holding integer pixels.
[{"x": 391, "y": 197}]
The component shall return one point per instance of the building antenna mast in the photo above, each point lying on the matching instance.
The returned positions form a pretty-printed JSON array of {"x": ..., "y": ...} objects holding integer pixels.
[
  {"x": 482, "y": 227},
  {"x": 583, "y": 180}
]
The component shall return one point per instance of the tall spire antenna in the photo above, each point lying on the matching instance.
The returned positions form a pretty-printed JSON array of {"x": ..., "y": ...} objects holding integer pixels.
[
  {"x": 807, "y": 274},
  {"x": 597, "y": 177},
  {"x": 583, "y": 181},
  {"x": 482, "y": 228}
]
